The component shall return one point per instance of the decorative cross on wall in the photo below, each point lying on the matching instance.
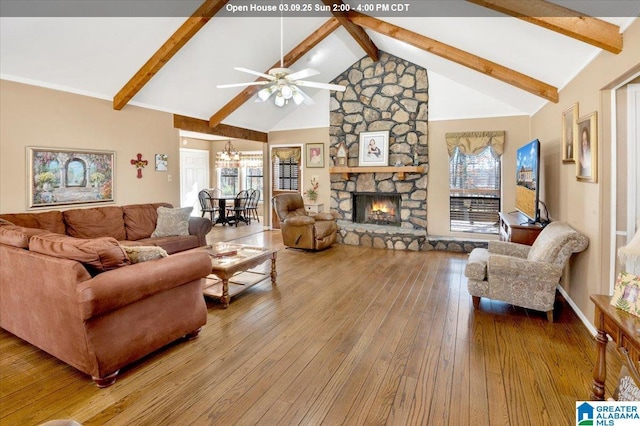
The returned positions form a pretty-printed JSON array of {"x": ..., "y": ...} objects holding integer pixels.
[{"x": 139, "y": 163}]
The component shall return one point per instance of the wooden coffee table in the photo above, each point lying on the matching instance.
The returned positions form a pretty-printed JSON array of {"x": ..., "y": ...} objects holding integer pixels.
[{"x": 229, "y": 259}]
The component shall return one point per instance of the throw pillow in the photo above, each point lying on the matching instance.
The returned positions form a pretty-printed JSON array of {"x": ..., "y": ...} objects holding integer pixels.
[
  {"x": 626, "y": 293},
  {"x": 627, "y": 389},
  {"x": 137, "y": 254},
  {"x": 172, "y": 222}
]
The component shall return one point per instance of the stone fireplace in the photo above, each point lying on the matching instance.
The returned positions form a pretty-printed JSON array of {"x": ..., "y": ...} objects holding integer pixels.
[
  {"x": 376, "y": 208},
  {"x": 388, "y": 95}
]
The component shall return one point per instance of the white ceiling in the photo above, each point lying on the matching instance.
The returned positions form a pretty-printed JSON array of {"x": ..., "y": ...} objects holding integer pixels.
[{"x": 97, "y": 56}]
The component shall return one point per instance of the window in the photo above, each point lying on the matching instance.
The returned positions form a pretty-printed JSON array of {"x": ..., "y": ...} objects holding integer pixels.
[
  {"x": 229, "y": 182},
  {"x": 285, "y": 174},
  {"x": 474, "y": 191},
  {"x": 254, "y": 178}
]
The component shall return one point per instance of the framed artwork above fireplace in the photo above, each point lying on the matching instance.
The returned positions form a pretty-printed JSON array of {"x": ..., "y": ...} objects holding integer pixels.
[{"x": 374, "y": 149}]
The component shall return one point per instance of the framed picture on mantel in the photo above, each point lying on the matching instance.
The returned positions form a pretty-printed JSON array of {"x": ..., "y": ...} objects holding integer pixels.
[{"x": 374, "y": 149}]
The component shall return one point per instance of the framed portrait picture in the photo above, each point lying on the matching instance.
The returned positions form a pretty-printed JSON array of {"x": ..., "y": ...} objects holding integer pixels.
[
  {"x": 69, "y": 176},
  {"x": 314, "y": 154},
  {"x": 569, "y": 133},
  {"x": 161, "y": 162},
  {"x": 587, "y": 148},
  {"x": 374, "y": 149}
]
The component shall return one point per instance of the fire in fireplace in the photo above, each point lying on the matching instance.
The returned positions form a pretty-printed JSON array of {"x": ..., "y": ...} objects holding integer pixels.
[{"x": 376, "y": 208}]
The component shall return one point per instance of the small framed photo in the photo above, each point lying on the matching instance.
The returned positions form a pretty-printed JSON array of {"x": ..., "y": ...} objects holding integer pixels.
[
  {"x": 587, "y": 148},
  {"x": 315, "y": 154},
  {"x": 569, "y": 133},
  {"x": 161, "y": 162},
  {"x": 374, "y": 149}
]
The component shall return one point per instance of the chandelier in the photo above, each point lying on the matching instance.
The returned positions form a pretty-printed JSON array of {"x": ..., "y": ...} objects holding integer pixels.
[{"x": 228, "y": 157}]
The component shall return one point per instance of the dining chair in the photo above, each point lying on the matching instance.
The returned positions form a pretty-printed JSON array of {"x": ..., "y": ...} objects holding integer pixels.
[
  {"x": 252, "y": 205},
  {"x": 208, "y": 204},
  {"x": 238, "y": 212}
]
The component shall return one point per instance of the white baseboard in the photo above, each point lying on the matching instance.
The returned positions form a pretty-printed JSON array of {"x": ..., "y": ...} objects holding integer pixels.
[{"x": 578, "y": 312}]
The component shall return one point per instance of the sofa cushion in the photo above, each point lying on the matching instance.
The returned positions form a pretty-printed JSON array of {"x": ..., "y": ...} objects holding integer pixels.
[
  {"x": 139, "y": 254},
  {"x": 477, "y": 264},
  {"x": 98, "y": 254},
  {"x": 140, "y": 219},
  {"x": 95, "y": 222},
  {"x": 18, "y": 236},
  {"x": 172, "y": 245},
  {"x": 172, "y": 222},
  {"x": 51, "y": 221}
]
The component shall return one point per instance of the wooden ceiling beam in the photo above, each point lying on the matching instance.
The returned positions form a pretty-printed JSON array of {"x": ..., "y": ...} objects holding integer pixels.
[
  {"x": 180, "y": 37},
  {"x": 461, "y": 57},
  {"x": 202, "y": 126},
  {"x": 289, "y": 59},
  {"x": 594, "y": 31},
  {"x": 356, "y": 31}
]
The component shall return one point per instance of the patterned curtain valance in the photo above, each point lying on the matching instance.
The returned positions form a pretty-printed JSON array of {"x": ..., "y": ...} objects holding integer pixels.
[
  {"x": 471, "y": 143},
  {"x": 287, "y": 153}
]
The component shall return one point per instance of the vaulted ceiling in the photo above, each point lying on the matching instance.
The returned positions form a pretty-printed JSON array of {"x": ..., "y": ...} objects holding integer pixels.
[{"x": 488, "y": 58}]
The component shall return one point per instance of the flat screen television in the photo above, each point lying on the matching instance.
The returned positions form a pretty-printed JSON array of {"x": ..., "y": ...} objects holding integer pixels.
[{"x": 528, "y": 180}]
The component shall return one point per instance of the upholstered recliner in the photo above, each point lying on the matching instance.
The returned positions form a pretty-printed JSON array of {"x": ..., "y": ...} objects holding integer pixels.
[
  {"x": 521, "y": 275},
  {"x": 299, "y": 230}
]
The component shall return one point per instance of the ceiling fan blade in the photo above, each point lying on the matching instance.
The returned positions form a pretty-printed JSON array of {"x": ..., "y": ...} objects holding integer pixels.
[
  {"x": 252, "y": 83},
  {"x": 307, "y": 72},
  {"x": 267, "y": 76},
  {"x": 329, "y": 86}
]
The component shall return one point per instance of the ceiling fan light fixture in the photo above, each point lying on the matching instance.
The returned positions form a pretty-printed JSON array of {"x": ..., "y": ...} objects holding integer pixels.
[
  {"x": 279, "y": 100},
  {"x": 298, "y": 98},
  {"x": 265, "y": 93},
  {"x": 286, "y": 91}
]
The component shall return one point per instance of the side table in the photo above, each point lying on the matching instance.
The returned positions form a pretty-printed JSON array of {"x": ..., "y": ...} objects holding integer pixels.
[{"x": 623, "y": 328}]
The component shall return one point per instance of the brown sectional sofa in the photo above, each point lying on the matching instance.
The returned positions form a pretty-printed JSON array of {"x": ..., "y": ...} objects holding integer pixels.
[
  {"x": 68, "y": 287},
  {"x": 130, "y": 225}
]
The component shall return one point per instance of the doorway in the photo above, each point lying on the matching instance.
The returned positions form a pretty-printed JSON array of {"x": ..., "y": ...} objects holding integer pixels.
[{"x": 194, "y": 176}]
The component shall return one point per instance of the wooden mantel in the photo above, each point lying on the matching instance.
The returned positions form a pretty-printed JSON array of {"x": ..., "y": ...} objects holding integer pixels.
[{"x": 401, "y": 170}]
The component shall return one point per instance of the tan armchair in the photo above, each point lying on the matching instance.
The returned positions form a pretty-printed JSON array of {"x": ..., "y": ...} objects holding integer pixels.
[
  {"x": 521, "y": 275},
  {"x": 299, "y": 230}
]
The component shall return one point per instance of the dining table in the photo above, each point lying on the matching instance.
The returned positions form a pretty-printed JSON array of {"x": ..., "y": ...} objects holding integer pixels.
[{"x": 222, "y": 214}]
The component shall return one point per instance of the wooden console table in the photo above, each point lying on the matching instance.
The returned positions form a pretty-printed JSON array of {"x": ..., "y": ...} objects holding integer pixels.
[
  {"x": 514, "y": 228},
  {"x": 623, "y": 328}
]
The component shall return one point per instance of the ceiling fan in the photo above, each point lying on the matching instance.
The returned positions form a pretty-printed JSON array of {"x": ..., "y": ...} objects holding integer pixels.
[{"x": 284, "y": 83}]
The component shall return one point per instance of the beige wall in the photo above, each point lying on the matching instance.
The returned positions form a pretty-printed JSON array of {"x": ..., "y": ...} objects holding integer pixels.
[
  {"x": 33, "y": 116},
  {"x": 517, "y": 134},
  {"x": 586, "y": 206},
  {"x": 302, "y": 137}
]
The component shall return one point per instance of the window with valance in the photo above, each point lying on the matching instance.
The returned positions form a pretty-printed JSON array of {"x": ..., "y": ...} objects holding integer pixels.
[{"x": 475, "y": 174}]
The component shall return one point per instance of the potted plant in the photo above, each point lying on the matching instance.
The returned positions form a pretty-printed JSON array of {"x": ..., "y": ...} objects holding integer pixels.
[
  {"x": 96, "y": 178},
  {"x": 46, "y": 179},
  {"x": 312, "y": 193}
]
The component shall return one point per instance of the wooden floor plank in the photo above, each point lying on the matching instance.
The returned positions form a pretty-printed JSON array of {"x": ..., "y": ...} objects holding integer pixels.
[{"x": 349, "y": 335}]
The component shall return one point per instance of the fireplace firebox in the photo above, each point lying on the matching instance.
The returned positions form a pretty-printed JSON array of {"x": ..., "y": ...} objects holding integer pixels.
[{"x": 376, "y": 208}]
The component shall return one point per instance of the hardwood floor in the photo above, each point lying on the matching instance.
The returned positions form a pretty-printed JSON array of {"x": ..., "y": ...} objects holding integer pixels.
[{"x": 349, "y": 335}]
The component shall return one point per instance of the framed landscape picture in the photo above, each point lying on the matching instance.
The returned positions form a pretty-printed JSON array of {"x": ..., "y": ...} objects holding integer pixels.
[
  {"x": 315, "y": 154},
  {"x": 69, "y": 176},
  {"x": 374, "y": 149},
  {"x": 569, "y": 133}
]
